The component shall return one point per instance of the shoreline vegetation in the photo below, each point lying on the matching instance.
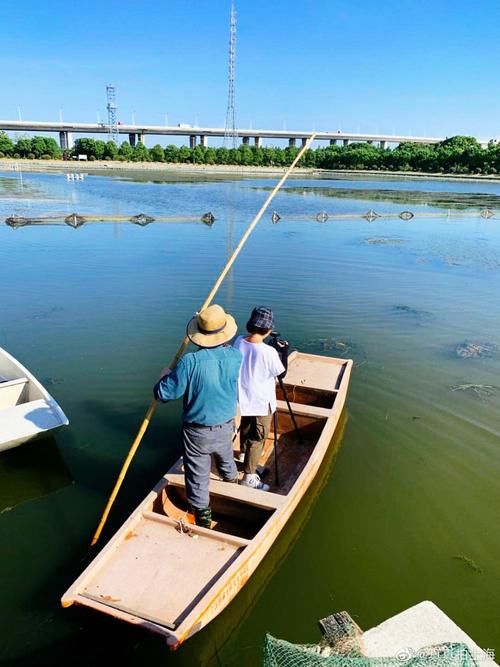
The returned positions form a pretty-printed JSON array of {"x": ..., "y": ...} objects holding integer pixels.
[{"x": 456, "y": 157}]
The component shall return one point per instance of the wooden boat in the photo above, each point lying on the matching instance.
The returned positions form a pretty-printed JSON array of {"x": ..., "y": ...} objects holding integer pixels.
[
  {"x": 171, "y": 577},
  {"x": 27, "y": 410}
]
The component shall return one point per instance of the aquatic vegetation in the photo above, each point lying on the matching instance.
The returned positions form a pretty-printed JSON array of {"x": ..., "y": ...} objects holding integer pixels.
[
  {"x": 345, "y": 348},
  {"x": 405, "y": 309},
  {"x": 383, "y": 240},
  {"x": 47, "y": 313},
  {"x": 482, "y": 391},
  {"x": 471, "y": 564},
  {"x": 414, "y": 314},
  {"x": 472, "y": 350},
  {"x": 52, "y": 381},
  {"x": 451, "y": 261}
]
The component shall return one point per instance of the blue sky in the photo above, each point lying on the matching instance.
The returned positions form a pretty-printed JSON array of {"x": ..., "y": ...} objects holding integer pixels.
[{"x": 403, "y": 66}]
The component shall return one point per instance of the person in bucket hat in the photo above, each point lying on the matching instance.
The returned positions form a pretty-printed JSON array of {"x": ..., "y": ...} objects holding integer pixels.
[
  {"x": 256, "y": 391},
  {"x": 208, "y": 381}
]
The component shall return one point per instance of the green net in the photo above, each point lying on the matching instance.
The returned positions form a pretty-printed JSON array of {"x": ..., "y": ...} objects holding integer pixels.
[
  {"x": 343, "y": 649},
  {"x": 280, "y": 653}
]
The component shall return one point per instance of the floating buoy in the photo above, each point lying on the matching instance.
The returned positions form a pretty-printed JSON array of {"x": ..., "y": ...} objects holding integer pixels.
[
  {"x": 406, "y": 215},
  {"x": 371, "y": 215},
  {"x": 275, "y": 218},
  {"x": 208, "y": 218},
  {"x": 74, "y": 220},
  {"x": 141, "y": 219},
  {"x": 322, "y": 216},
  {"x": 16, "y": 221}
]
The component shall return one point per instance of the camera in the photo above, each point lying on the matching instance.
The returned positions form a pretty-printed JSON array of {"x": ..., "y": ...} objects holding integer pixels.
[{"x": 282, "y": 347}]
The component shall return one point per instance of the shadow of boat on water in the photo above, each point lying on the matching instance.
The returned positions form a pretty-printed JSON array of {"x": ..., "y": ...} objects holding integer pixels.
[{"x": 30, "y": 471}]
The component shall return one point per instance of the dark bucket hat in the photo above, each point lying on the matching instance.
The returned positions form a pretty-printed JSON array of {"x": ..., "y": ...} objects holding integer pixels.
[{"x": 262, "y": 317}]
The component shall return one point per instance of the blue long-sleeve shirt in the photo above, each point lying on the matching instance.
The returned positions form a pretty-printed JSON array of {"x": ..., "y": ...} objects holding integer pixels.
[{"x": 208, "y": 380}]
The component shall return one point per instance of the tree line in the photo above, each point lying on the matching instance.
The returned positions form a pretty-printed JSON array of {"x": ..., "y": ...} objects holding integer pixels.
[{"x": 458, "y": 155}]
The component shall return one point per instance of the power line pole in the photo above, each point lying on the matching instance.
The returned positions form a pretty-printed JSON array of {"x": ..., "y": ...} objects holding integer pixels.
[
  {"x": 111, "y": 107},
  {"x": 230, "y": 134}
]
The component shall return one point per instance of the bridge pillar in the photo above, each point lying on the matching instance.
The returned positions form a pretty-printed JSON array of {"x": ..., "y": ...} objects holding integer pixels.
[
  {"x": 192, "y": 141},
  {"x": 65, "y": 140},
  {"x": 303, "y": 141},
  {"x": 383, "y": 145},
  {"x": 346, "y": 142},
  {"x": 140, "y": 138},
  {"x": 203, "y": 140},
  {"x": 291, "y": 141},
  {"x": 131, "y": 138},
  {"x": 258, "y": 141},
  {"x": 333, "y": 142},
  {"x": 246, "y": 140},
  {"x": 370, "y": 142}
]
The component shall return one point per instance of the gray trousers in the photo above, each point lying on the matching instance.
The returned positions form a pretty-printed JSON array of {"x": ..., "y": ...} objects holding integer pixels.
[
  {"x": 253, "y": 434},
  {"x": 200, "y": 442}
]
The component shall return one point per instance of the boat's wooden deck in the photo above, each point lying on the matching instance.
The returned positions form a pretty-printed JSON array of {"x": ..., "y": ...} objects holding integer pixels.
[{"x": 155, "y": 552}]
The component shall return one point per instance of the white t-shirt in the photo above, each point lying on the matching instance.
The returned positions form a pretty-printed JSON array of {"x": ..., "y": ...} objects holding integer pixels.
[{"x": 257, "y": 383}]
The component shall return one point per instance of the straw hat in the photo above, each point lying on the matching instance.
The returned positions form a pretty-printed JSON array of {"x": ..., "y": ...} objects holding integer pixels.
[{"x": 211, "y": 327}]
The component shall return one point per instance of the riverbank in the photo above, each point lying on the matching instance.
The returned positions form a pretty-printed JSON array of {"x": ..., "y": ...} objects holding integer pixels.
[{"x": 224, "y": 170}]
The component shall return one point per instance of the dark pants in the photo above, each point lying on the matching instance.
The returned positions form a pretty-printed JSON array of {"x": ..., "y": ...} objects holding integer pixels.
[
  {"x": 200, "y": 442},
  {"x": 253, "y": 433}
]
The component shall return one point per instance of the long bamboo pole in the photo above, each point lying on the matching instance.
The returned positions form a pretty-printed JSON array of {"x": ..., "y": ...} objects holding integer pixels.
[{"x": 185, "y": 342}]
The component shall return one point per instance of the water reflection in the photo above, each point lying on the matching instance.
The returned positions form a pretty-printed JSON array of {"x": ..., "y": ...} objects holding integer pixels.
[
  {"x": 31, "y": 471},
  {"x": 450, "y": 200}
]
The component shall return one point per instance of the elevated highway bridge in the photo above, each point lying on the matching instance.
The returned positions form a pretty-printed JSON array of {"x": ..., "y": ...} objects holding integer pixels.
[{"x": 200, "y": 135}]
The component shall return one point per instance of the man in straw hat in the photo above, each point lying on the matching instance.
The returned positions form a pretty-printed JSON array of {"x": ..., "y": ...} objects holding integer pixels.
[{"x": 208, "y": 381}]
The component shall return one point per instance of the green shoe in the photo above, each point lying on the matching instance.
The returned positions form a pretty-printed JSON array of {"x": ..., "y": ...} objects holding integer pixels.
[{"x": 203, "y": 516}]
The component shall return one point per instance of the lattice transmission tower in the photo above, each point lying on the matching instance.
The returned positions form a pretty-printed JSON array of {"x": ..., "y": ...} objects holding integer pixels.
[
  {"x": 230, "y": 133},
  {"x": 111, "y": 107}
]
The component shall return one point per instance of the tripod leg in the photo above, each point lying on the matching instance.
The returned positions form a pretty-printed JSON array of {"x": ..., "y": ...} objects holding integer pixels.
[
  {"x": 285, "y": 394},
  {"x": 276, "y": 474}
]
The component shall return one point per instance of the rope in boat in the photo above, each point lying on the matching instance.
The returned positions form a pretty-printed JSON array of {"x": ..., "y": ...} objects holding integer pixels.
[{"x": 185, "y": 342}]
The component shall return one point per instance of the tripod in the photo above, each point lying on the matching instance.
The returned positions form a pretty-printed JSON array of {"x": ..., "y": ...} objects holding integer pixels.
[{"x": 282, "y": 347}]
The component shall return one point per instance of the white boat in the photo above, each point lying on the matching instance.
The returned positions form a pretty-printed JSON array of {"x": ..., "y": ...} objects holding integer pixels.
[{"x": 27, "y": 410}]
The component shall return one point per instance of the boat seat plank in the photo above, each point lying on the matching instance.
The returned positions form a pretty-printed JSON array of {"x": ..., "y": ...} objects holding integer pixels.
[
  {"x": 158, "y": 572},
  {"x": 306, "y": 410},
  {"x": 199, "y": 530},
  {"x": 5, "y": 382},
  {"x": 28, "y": 419},
  {"x": 238, "y": 492}
]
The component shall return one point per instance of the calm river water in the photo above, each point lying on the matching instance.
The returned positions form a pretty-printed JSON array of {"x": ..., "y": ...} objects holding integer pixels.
[{"x": 409, "y": 511}]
